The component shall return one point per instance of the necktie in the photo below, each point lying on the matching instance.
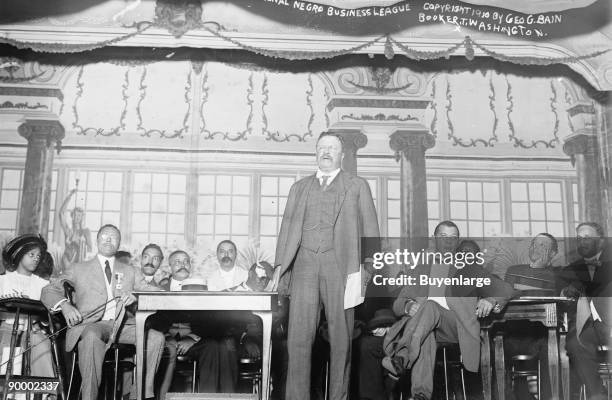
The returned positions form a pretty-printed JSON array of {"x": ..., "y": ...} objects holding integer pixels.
[
  {"x": 107, "y": 271},
  {"x": 324, "y": 179}
]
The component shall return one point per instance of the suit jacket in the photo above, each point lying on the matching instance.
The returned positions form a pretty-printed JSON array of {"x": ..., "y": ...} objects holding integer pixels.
[
  {"x": 468, "y": 328},
  {"x": 597, "y": 289},
  {"x": 88, "y": 280},
  {"x": 355, "y": 218}
]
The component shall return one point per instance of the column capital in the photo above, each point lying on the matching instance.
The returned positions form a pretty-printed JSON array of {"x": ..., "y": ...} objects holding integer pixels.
[
  {"x": 353, "y": 139},
  {"x": 579, "y": 144},
  {"x": 49, "y": 130},
  {"x": 405, "y": 141}
]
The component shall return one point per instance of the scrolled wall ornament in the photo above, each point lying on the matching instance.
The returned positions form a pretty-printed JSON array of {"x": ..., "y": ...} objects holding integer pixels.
[
  {"x": 434, "y": 107},
  {"x": 23, "y": 106},
  {"x": 277, "y": 136},
  {"x": 163, "y": 133},
  {"x": 359, "y": 140},
  {"x": 232, "y": 136},
  {"x": 381, "y": 78}
]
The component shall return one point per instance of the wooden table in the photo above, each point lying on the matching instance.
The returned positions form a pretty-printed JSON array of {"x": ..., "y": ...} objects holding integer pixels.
[
  {"x": 260, "y": 303},
  {"x": 544, "y": 310}
]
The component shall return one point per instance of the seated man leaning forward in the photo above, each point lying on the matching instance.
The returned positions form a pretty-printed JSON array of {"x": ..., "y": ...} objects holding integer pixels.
[
  {"x": 433, "y": 314},
  {"x": 103, "y": 288}
]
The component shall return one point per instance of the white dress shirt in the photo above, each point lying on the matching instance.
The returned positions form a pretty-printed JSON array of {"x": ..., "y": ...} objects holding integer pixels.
[
  {"x": 438, "y": 294},
  {"x": 332, "y": 175},
  {"x": 175, "y": 286},
  {"x": 592, "y": 269},
  {"x": 109, "y": 309}
]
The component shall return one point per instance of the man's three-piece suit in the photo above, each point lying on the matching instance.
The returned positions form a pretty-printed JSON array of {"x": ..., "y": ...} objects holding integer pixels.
[{"x": 318, "y": 247}]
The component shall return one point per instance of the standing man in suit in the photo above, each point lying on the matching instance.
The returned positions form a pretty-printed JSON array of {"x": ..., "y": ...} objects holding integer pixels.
[
  {"x": 102, "y": 289},
  {"x": 589, "y": 281},
  {"x": 318, "y": 257}
]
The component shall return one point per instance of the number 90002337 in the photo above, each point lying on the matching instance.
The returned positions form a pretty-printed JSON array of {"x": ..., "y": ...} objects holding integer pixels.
[{"x": 41, "y": 385}]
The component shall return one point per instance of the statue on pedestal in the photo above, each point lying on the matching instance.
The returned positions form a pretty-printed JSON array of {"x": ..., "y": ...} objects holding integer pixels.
[{"x": 77, "y": 237}]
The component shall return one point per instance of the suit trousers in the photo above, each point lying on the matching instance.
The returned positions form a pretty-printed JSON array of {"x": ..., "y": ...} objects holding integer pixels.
[
  {"x": 583, "y": 354},
  {"x": 92, "y": 348},
  {"x": 432, "y": 324},
  {"x": 317, "y": 281}
]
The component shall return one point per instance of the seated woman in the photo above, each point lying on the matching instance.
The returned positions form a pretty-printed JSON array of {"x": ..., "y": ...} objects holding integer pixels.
[{"x": 21, "y": 257}]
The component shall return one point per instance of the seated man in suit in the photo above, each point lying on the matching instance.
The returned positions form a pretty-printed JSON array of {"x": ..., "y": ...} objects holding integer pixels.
[
  {"x": 588, "y": 280},
  {"x": 434, "y": 314},
  {"x": 102, "y": 289}
]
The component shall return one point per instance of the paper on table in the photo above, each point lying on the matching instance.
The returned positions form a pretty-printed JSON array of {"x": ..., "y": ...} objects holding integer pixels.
[{"x": 352, "y": 292}]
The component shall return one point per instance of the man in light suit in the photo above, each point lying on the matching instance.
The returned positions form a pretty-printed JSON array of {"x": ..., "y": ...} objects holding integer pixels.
[
  {"x": 102, "y": 289},
  {"x": 318, "y": 259}
]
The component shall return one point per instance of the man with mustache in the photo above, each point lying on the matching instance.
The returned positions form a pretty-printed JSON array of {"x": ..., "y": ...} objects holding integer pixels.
[
  {"x": 197, "y": 336},
  {"x": 589, "y": 280},
  {"x": 103, "y": 287},
  {"x": 223, "y": 272},
  {"x": 318, "y": 260},
  {"x": 150, "y": 261}
]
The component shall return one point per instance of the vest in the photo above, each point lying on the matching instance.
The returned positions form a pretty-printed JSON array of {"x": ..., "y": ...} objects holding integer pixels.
[{"x": 318, "y": 226}]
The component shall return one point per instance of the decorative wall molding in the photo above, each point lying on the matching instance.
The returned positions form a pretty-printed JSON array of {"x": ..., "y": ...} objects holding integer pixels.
[
  {"x": 115, "y": 131},
  {"x": 381, "y": 77},
  {"x": 277, "y": 136},
  {"x": 23, "y": 106},
  {"x": 376, "y": 103},
  {"x": 458, "y": 141},
  {"x": 163, "y": 133},
  {"x": 493, "y": 139},
  {"x": 31, "y": 92},
  {"x": 379, "y": 117},
  {"x": 434, "y": 106},
  {"x": 233, "y": 136}
]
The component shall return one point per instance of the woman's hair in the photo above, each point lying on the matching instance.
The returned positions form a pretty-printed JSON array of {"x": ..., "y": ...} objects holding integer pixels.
[{"x": 14, "y": 250}]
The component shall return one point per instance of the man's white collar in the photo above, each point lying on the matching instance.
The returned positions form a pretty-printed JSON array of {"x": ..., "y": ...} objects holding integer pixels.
[{"x": 332, "y": 175}]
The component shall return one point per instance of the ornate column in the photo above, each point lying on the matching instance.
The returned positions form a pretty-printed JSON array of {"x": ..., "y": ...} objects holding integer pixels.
[
  {"x": 353, "y": 140},
  {"x": 583, "y": 150},
  {"x": 605, "y": 150},
  {"x": 42, "y": 136},
  {"x": 410, "y": 147}
]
